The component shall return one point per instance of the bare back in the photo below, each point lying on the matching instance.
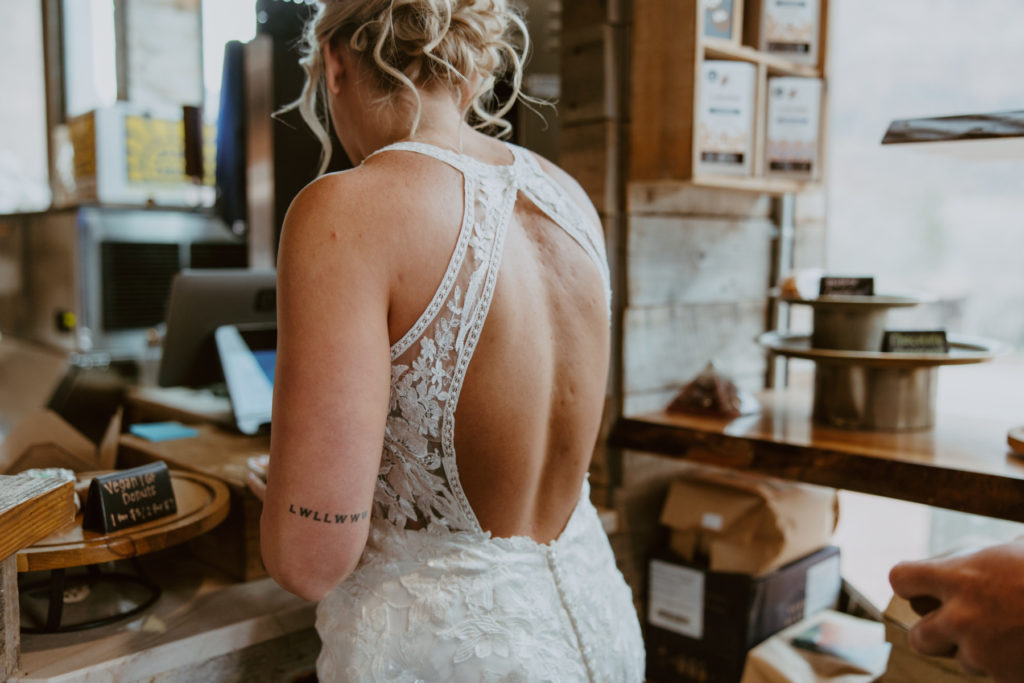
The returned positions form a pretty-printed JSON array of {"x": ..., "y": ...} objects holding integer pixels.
[{"x": 529, "y": 409}]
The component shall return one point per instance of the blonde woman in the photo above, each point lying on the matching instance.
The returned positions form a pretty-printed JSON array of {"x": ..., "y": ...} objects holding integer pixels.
[{"x": 443, "y": 313}]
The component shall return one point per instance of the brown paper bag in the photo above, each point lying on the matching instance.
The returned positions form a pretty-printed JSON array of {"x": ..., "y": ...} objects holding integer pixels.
[{"x": 746, "y": 523}]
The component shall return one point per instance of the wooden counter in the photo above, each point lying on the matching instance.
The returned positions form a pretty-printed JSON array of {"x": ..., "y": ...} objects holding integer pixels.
[
  {"x": 205, "y": 627},
  {"x": 964, "y": 463}
]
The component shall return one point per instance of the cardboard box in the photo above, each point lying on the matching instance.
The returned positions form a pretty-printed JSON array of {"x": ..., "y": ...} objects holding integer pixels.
[
  {"x": 793, "y": 129},
  {"x": 786, "y": 28},
  {"x": 723, "y": 19},
  {"x": 43, "y": 439},
  {"x": 746, "y": 523},
  {"x": 725, "y": 118},
  {"x": 908, "y": 666},
  {"x": 126, "y": 154},
  {"x": 702, "y": 623}
]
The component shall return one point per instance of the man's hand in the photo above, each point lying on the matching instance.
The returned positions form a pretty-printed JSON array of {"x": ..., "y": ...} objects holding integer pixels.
[{"x": 978, "y": 614}]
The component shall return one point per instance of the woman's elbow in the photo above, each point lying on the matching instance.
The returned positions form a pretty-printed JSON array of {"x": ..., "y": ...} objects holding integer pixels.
[
  {"x": 309, "y": 578},
  {"x": 304, "y": 586},
  {"x": 308, "y": 567}
]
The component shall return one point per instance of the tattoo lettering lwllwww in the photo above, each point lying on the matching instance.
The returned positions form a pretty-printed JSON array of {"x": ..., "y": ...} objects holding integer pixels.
[{"x": 326, "y": 517}]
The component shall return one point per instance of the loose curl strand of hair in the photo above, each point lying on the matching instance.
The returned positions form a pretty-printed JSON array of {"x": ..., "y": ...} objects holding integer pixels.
[{"x": 411, "y": 44}]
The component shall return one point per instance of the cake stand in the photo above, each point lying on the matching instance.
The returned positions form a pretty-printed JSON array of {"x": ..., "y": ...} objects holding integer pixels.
[
  {"x": 852, "y": 322},
  {"x": 875, "y": 390}
]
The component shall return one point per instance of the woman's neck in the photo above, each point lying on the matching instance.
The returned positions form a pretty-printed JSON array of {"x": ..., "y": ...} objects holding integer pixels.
[{"x": 440, "y": 123}]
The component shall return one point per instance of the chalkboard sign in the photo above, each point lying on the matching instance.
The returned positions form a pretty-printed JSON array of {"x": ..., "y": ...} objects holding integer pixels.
[
  {"x": 915, "y": 341},
  {"x": 129, "y": 497},
  {"x": 847, "y": 286}
]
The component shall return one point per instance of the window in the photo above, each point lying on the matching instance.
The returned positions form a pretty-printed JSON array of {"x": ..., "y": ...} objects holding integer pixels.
[
  {"x": 223, "y": 21},
  {"x": 90, "y": 59},
  {"x": 23, "y": 167},
  {"x": 920, "y": 220},
  {"x": 917, "y": 219}
]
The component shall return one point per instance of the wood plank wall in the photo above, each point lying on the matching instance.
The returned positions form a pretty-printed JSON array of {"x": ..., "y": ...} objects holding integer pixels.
[
  {"x": 810, "y": 215},
  {"x": 691, "y": 269},
  {"x": 697, "y": 271}
]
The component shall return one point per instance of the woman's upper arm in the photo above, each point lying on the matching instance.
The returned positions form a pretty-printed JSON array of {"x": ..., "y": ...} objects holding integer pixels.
[{"x": 331, "y": 388}]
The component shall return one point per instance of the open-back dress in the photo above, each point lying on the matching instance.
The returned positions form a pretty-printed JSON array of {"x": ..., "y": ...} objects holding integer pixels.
[{"x": 435, "y": 597}]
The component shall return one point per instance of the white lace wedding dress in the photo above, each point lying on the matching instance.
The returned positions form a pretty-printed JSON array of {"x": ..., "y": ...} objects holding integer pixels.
[{"x": 446, "y": 601}]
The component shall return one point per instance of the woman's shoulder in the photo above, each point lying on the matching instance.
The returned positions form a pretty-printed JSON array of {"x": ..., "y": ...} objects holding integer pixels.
[
  {"x": 347, "y": 193},
  {"x": 356, "y": 201}
]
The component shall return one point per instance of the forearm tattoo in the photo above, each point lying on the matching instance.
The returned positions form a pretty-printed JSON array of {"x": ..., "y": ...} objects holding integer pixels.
[{"x": 327, "y": 517}]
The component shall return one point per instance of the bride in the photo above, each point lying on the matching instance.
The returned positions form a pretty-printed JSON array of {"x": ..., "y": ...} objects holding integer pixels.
[{"x": 443, "y": 327}]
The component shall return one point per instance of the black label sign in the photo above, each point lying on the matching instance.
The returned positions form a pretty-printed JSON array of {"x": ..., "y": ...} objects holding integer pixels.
[
  {"x": 722, "y": 157},
  {"x": 915, "y": 341},
  {"x": 789, "y": 165},
  {"x": 795, "y": 48},
  {"x": 129, "y": 497},
  {"x": 847, "y": 286}
]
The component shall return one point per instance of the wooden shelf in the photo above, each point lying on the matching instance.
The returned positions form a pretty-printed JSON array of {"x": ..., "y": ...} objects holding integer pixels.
[
  {"x": 973, "y": 137},
  {"x": 962, "y": 464},
  {"x": 669, "y": 51},
  {"x": 719, "y": 48},
  {"x": 751, "y": 184},
  {"x": 990, "y": 126}
]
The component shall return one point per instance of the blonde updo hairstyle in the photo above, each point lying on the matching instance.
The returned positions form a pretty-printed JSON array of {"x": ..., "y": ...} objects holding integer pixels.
[{"x": 412, "y": 44}]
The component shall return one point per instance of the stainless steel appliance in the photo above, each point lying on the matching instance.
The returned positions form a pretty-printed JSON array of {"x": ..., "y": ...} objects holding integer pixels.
[{"x": 94, "y": 279}]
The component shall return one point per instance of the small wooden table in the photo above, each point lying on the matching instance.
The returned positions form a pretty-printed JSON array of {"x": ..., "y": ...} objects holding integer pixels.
[
  {"x": 964, "y": 463},
  {"x": 202, "y": 504}
]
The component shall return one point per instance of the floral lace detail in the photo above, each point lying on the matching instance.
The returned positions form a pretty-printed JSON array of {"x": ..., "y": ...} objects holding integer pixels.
[
  {"x": 435, "y": 597},
  {"x": 418, "y": 480}
]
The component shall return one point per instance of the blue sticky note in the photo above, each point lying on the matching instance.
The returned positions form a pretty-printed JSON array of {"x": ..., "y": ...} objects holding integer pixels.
[{"x": 163, "y": 431}]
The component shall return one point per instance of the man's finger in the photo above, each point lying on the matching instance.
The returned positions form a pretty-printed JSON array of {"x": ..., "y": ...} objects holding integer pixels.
[
  {"x": 917, "y": 580},
  {"x": 930, "y": 636}
]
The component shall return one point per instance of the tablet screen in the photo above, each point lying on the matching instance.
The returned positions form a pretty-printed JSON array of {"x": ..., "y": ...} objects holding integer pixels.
[
  {"x": 266, "y": 359},
  {"x": 247, "y": 356}
]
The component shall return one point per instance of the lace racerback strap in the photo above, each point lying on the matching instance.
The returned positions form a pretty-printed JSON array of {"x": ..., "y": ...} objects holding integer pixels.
[
  {"x": 453, "y": 159},
  {"x": 551, "y": 198},
  {"x": 528, "y": 177}
]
